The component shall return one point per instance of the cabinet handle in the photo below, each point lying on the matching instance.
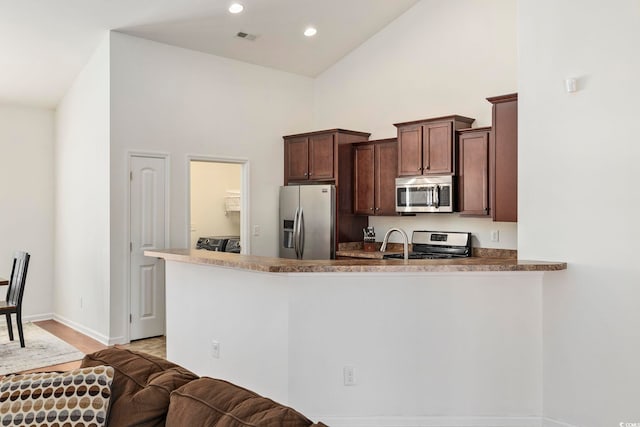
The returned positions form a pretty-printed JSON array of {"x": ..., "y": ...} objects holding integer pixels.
[
  {"x": 370, "y": 209},
  {"x": 306, "y": 174},
  {"x": 377, "y": 209}
]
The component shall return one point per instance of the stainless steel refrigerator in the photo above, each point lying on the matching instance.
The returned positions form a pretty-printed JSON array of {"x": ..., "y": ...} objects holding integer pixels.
[{"x": 307, "y": 221}]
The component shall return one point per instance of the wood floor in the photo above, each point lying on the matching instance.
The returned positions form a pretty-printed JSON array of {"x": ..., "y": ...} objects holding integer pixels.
[{"x": 155, "y": 346}]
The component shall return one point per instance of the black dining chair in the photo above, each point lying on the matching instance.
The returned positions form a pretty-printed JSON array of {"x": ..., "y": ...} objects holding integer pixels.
[{"x": 13, "y": 303}]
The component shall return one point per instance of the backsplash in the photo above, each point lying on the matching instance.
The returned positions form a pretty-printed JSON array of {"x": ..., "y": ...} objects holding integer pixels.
[{"x": 481, "y": 228}]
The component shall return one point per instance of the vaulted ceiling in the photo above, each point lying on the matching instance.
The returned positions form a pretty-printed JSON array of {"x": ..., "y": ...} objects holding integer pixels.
[{"x": 45, "y": 44}]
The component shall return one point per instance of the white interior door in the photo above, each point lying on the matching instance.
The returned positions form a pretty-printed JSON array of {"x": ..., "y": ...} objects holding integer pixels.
[{"x": 148, "y": 217}]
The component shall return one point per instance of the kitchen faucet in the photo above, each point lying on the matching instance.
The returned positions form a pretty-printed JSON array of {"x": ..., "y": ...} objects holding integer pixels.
[{"x": 405, "y": 240}]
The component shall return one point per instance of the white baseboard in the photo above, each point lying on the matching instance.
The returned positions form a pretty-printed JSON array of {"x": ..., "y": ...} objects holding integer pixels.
[
  {"x": 37, "y": 317},
  {"x": 548, "y": 422},
  {"x": 82, "y": 329},
  {"x": 429, "y": 421},
  {"x": 117, "y": 340}
]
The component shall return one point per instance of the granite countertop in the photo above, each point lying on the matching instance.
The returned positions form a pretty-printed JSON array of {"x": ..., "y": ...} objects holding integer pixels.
[
  {"x": 282, "y": 265},
  {"x": 355, "y": 250}
]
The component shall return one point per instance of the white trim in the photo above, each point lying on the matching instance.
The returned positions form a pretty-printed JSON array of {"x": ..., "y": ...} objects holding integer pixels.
[
  {"x": 245, "y": 229},
  {"x": 548, "y": 422},
  {"x": 167, "y": 230},
  {"x": 117, "y": 340},
  {"x": 82, "y": 329},
  {"x": 37, "y": 317},
  {"x": 430, "y": 421}
]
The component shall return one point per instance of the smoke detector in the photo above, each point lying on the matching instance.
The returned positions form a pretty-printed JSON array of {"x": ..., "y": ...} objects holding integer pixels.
[{"x": 246, "y": 36}]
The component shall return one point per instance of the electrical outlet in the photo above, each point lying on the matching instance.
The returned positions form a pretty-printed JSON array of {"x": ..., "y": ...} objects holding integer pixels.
[
  {"x": 256, "y": 230},
  {"x": 215, "y": 349},
  {"x": 495, "y": 235},
  {"x": 349, "y": 373}
]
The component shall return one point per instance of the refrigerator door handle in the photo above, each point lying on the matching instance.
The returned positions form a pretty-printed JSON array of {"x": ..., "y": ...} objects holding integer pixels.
[
  {"x": 295, "y": 233},
  {"x": 301, "y": 233}
]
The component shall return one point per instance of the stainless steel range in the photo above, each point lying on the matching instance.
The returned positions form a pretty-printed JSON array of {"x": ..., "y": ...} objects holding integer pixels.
[{"x": 437, "y": 245}]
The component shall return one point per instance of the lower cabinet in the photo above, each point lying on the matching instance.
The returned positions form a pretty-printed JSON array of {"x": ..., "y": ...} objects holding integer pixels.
[
  {"x": 375, "y": 171},
  {"x": 474, "y": 177}
]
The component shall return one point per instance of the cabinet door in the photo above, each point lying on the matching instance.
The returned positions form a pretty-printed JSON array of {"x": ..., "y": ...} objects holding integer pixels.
[
  {"x": 438, "y": 149},
  {"x": 410, "y": 150},
  {"x": 364, "y": 180},
  {"x": 321, "y": 151},
  {"x": 386, "y": 169},
  {"x": 474, "y": 174},
  {"x": 297, "y": 159},
  {"x": 505, "y": 141}
]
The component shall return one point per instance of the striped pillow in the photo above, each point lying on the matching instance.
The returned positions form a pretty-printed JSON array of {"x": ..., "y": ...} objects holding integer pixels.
[{"x": 75, "y": 398}]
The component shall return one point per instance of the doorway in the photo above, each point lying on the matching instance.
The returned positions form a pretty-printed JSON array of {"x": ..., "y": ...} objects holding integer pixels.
[{"x": 217, "y": 200}]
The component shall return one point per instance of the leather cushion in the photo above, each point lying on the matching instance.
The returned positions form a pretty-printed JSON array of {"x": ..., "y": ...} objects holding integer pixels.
[
  {"x": 141, "y": 386},
  {"x": 217, "y": 403}
]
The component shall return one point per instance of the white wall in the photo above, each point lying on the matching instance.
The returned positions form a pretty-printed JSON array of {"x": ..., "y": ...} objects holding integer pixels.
[
  {"x": 210, "y": 184},
  {"x": 248, "y": 318},
  {"x": 581, "y": 150},
  {"x": 465, "y": 346},
  {"x": 439, "y": 58},
  {"x": 26, "y": 192},
  {"x": 81, "y": 159},
  {"x": 457, "y": 345},
  {"x": 182, "y": 102}
]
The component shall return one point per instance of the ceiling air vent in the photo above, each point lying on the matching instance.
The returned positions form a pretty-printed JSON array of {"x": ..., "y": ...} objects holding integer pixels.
[{"x": 246, "y": 36}]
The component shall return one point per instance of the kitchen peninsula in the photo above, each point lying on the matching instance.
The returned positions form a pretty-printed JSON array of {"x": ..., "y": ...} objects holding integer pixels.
[
  {"x": 414, "y": 334},
  {"x": 353, "y": 265}
]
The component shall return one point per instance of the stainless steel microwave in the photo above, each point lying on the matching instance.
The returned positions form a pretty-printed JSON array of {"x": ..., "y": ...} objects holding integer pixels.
[{"x": 424, "y": 194}]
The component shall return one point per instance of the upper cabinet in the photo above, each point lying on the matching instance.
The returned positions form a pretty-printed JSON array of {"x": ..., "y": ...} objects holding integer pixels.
[
  {"x": 314, "y": 156},
  {"x": 503, "y": 152},
  {"x": 375, "y": 171},
  {"x": 428, "y": 146},
  {"x": 473, "y": 172},
  {"x": 327, "y": 157}
]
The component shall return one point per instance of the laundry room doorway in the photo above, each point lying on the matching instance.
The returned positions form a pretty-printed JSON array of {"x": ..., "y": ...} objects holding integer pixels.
[{"x": 217, "y": 204}]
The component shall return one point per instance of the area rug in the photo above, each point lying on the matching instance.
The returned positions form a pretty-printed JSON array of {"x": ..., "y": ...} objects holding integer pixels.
[{"x": 42, "y": 349}]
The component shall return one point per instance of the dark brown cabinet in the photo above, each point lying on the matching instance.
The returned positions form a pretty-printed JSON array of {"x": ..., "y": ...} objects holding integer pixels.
[
  {"x": 321, "y": 156},
  {"x": 296, "y": 159},
  {"x": 473, "y": 171},
  {"x": 503, "y": 158},
  {"x": 375, "y": 171},
  {"x": 309, "y": 158},
  {"x": 327, "y": 157},
  {"x": 428, "y": 146}
]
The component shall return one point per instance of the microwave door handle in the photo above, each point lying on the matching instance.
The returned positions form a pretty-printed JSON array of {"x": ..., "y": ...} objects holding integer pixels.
[{"x": 436, "y": 196}]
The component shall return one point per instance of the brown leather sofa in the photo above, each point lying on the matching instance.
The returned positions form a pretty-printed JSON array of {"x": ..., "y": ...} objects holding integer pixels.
[{"x": 151, "y": 392}]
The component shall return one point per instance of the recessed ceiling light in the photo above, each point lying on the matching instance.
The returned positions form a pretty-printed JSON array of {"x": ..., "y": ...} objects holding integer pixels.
[
  {"x": 236, "y": 8},
  {"x": 310, "y": 32}
]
